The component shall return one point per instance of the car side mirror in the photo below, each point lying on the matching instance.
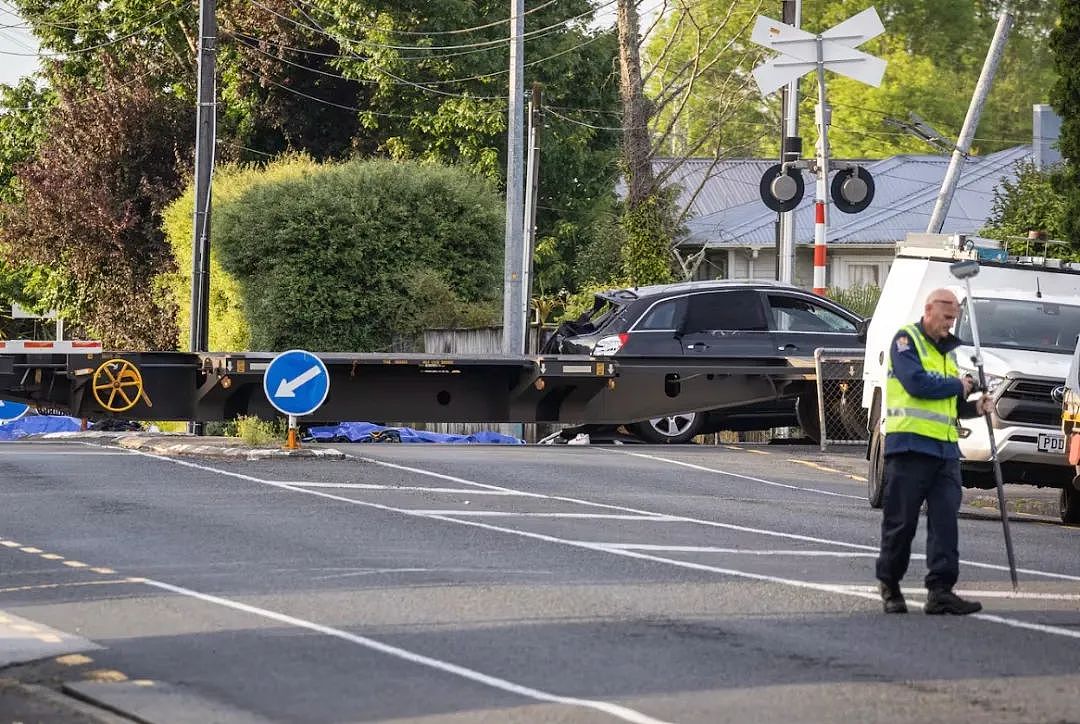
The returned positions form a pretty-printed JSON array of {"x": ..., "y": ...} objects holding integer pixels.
[{"x": 862, "y": 327}]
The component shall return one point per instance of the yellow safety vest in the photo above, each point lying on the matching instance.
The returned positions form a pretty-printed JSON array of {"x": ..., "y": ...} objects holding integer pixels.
[{"x": 935, "y": 419}]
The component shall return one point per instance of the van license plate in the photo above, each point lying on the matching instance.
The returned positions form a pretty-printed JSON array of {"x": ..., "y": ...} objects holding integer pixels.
[{"x": 1051, "y": 443}]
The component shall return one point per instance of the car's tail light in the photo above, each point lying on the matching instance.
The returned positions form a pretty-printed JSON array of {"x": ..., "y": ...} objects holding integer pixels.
[{"x": 608, "y": 346}]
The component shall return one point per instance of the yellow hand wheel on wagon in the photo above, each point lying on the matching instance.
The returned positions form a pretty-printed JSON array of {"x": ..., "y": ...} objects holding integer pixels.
[{"x": 118, "y": 385}]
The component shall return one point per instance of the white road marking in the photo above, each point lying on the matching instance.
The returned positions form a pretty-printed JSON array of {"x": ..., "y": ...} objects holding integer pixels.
[
  {"x": 619, "y": 712},
  {"x": 740, "y": 551},
  {"x": 797, "y": 583},
  {"x": 1019, "y": 595},
  {"x": 585, "y": 516},
  {"x": 594, "y": 504},
  {"x": 392, "y": 488},
  {"x": 702, "y": 468},
  {"x": 52, "y": 453},
  {"x": 40, "y": 586}
]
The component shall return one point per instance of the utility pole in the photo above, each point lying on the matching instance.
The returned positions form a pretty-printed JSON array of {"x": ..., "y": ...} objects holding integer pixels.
[
  {"x": 971, "y": 123},
  {"x": 790, "y": 150},
  {"x": 532, "y": 190},
  {"x": 205, "y": 132},
  {"x": 513, "y": 320}
]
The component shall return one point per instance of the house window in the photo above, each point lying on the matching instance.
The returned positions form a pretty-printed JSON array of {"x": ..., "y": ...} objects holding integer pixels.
[{"x": 864, "y": 274}]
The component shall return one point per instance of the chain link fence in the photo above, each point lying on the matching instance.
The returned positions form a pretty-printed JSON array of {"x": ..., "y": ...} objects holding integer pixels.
[{"x": 840, "y": 391}]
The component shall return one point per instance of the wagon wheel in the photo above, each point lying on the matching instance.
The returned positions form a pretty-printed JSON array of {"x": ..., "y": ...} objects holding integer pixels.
[{"x": 118, "y": 385}]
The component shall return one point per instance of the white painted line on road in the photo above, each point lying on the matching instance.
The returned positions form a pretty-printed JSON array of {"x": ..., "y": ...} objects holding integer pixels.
[
  {"x": 54, "y": 453},
  {"x": 1019, "y": 595},
  {"x": 40, "y": 586},
  {"x": 392, "y": 488},
  {"x": 584, "y": 516},
  {"x": 702, "y": 468},
  {"x": 619, "y": 712},
  {"x": 591, "y": 504},
  {"x": 735, "y": 573},
  {"x": 740, "y": 551}
]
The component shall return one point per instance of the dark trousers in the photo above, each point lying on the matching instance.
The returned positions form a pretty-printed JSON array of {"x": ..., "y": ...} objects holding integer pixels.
[{"x": 910, "y": 479}]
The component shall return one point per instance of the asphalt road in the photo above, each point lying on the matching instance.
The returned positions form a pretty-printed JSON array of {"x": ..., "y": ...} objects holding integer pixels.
[{"x": 494, "y": 584}]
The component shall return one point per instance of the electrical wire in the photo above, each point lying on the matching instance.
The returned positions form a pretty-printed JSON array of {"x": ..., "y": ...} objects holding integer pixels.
[
  {"x": 357, "y": 109},
  {"x": 445, "y": 81},
  {"x": 71, "y": 24},
  {"x": 98, "y": 46},
  {"x": 459, "y": 31},
  {"x": 487, "y": 44}
]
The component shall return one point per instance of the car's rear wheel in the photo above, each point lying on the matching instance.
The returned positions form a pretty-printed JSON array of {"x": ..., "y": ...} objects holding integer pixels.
[
  {"x": 670, "y": 430},
  {"x": 875, "y": 478}
]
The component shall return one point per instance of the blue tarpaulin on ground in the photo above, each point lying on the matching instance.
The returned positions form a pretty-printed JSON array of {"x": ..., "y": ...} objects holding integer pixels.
[
  {"x": 369, "y": 432},
  {"x": 35, "y": 424}
]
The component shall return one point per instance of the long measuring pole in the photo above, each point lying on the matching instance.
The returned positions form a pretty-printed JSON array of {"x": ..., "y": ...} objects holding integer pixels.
[{"x": 821, "y": 196}]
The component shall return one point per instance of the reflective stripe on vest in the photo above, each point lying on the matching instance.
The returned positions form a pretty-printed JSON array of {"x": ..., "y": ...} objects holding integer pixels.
[{"x": 935, "y": 419}]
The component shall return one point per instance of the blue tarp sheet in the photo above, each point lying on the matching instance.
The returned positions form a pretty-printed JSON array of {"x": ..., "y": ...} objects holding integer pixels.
[
  {"x": 34, "y": 424},
  {"x": 368, "y": 432}
]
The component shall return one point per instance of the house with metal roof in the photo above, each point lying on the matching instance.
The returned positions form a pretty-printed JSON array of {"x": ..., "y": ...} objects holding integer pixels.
[{"x": 738, "y": 233}]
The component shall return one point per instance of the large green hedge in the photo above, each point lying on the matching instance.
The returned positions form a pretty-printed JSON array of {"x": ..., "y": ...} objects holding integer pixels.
[{"x": 359, "y": 256}]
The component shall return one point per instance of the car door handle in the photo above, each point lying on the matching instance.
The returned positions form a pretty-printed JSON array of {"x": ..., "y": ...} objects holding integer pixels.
[
  {"x": 697, "y": 345},
  {"x": 788, "y": 347}
]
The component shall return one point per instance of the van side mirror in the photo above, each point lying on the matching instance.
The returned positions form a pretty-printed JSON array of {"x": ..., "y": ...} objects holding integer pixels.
[{"x": 862, "y": 327}]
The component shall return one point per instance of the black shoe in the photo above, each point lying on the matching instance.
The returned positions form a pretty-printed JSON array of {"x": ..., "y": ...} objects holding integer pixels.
[
  {"x": 944, "y": 601},
  {"x": 891, "y": 597}
]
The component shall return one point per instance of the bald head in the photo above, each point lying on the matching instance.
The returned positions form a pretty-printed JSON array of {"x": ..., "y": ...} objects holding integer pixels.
[{"x": 941, "y": 310}]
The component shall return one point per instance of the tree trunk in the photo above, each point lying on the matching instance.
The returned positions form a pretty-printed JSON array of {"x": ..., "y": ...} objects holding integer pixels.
[{"x": 637, "y": 155}]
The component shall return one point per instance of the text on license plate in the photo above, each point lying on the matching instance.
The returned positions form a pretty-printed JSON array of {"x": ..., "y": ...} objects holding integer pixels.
[{"x": 1051, "y": 443}]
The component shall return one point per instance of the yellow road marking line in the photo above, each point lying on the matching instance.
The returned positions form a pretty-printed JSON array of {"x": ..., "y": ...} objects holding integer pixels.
[
  {"x": 74, "y": 660},
  {"x": 30, "y": 549},
  {"x": 816, "y": 466},
  {"x": 9, "y": 543},
  {"x": 142, "y": 682},
  {"x": 102, "y": 569},
  {"x": 76, "y": 564},
  {"x": 106, "y": 675},
  {"x": 25, "y": 627},
  {"x": 49, "y": 638},
  {"x": 860, "y": 478},
  {"x": 757, "y": 452},
  {"x": 52, "y": 556},
  {"x": 732, "y": 447}
]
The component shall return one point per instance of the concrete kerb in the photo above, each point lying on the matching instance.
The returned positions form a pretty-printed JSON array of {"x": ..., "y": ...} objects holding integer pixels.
[
  {"x": 177, "y": 444},
  {"x": 34, "y": 702},
  {"x": 223, "y": 447}
]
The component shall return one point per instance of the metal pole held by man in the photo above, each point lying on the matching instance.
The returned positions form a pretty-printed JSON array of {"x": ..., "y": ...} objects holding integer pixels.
[{"x": 965, "y": 270}]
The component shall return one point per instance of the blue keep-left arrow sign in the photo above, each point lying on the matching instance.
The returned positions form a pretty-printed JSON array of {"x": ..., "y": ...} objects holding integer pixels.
[
  {"x": 296, "y": 382},
  {"x": 11, "y": 411}
]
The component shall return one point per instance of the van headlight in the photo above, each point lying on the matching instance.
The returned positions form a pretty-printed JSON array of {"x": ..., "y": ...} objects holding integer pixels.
[{"x": 992, "y": 381}]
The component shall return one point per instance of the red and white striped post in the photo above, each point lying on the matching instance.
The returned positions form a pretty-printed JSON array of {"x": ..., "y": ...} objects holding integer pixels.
[{"x": 819, "y": 247}]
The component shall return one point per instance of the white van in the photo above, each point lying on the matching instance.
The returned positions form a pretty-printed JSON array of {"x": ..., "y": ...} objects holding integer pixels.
[{"x": 1028, "y": 311}]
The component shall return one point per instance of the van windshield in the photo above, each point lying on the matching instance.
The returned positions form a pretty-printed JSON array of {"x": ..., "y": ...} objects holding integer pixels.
[{"x": 1021, "y": 324}]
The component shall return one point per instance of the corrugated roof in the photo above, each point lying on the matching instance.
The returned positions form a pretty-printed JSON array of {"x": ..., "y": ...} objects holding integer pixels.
[{"x": 728, "y": 210}]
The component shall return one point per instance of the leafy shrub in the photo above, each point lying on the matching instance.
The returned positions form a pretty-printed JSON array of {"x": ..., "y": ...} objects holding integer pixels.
[
  {"x": 258, "y": 433},
  {"x": 228, "y": 328},
  {"x": 350, "y": 257}
]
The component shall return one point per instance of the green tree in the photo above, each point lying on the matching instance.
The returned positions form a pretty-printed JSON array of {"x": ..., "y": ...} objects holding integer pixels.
[
  {"x": 1065, "y": 43},
  {"x": 88, "y": 209},
  {"x": 1030, "y": 203},
  {"x": 360, "y": 256},
  {"x": 935, "y": 51}
]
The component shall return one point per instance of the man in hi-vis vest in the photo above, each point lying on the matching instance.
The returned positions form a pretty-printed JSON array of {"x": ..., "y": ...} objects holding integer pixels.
[{"x": 924, "y": 396}]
